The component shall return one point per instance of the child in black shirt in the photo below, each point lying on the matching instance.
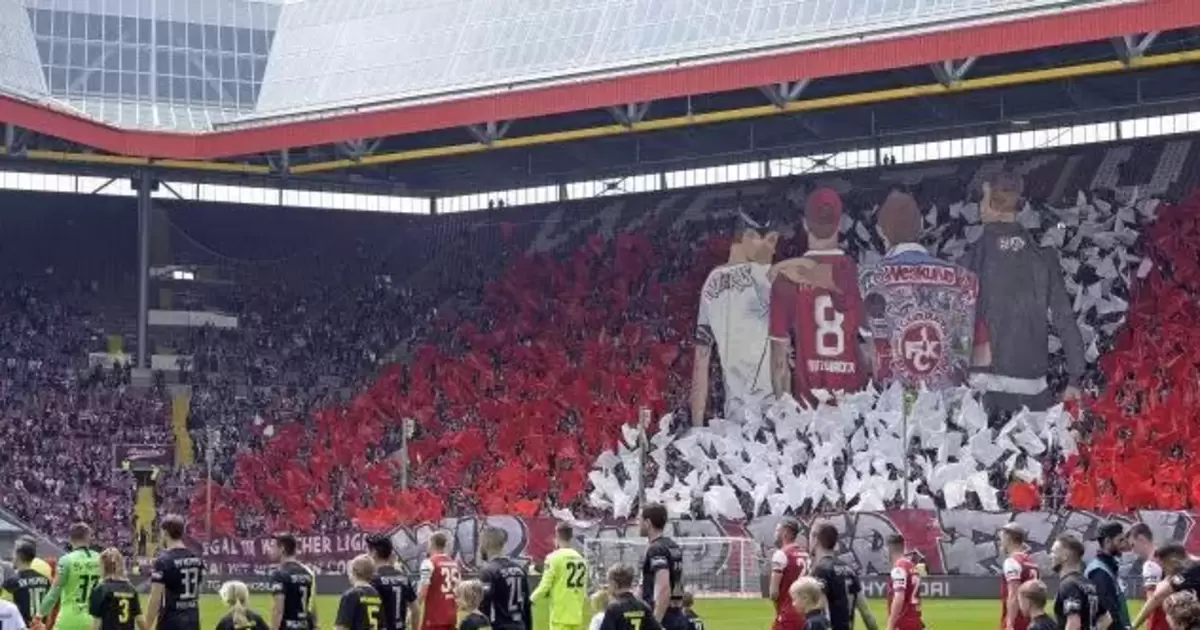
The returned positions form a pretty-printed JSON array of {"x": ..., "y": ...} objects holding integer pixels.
[
  {"x": 1032, "y": 598},
  {"x": 468, "y": 595},
  {"x": 625, "y": 611},
  {"x": 694, "y": 620},
  {"x": 806, "y": 597}
]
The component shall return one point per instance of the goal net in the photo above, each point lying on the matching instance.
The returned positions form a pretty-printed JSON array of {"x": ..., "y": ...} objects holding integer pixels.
[{"x": 712, "y": 567}]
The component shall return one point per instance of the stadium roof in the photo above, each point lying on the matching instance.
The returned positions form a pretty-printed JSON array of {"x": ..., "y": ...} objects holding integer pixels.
[
  {"x": 90, "y": 97},
  {"x": 239, "y": 77}
]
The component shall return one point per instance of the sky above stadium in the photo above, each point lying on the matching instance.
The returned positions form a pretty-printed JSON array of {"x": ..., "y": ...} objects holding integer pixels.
[{"x": 196, "y": 65}]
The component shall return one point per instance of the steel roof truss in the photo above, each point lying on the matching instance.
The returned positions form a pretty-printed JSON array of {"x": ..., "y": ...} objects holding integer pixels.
[
  {"x": 280, "y": 163},
  {"x": 489, "y": 133},
  {"x": 630, "y": 114},
  {"x": 357, "y": 149},
  {"x": 951, "y": 71},
  {"x": 1131, "y": 47},
  {"x": 784, "y": 92}
]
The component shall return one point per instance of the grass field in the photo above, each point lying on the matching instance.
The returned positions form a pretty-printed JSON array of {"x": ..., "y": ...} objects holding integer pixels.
[{"x": 718, "y": 614}]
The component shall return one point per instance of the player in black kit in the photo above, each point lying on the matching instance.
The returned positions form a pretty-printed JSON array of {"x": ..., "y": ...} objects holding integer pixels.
[
  {"x": 294, "y": 587},
  {"x": 114, "y": 602},
  {"x": 505, "y": 585},
  {"x": 1076, "y": 597},
  {"x": 625, "y": 611},
  {"x": 27, "y": 586},
  {"x": 175, "y": 582},
  {"x": 662, "y": 570},
  {"x": 858, "y": 599},
  {"x": 359, "y": 607},
  {"x": 396, "y": 590},
  {"x": 1182, "y": 573},
  {"x": 838, "y": 581}
]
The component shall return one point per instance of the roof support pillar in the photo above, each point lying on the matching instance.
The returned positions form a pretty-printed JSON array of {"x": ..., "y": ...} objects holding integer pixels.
[
  {"x": 15, "y": 140},
  {"x": 281, "y": 165},
  {"x": 145, "y": 186}
]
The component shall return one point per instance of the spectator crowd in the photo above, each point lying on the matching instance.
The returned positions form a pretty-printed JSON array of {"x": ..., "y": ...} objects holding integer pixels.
[{"x": 518, "y": 341}]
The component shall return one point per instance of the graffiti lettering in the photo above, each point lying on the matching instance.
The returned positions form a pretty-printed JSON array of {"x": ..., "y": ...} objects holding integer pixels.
[{"x": 954, "y": 542}]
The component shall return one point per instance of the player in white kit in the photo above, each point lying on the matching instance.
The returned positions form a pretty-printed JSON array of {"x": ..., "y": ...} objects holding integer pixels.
[{"x": 733, "y": 317}]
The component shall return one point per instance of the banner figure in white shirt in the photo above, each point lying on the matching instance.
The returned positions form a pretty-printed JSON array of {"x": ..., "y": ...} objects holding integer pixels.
[{"x": 733, "y": 313}]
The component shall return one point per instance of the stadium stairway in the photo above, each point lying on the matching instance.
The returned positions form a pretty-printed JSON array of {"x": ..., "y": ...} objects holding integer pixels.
[
  {"x": 181, "y": 407},
  {"x": 145, "y": 507}
]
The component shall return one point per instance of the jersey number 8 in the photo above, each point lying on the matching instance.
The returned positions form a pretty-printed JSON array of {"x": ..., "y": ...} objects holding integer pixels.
[{"x": 831, "y": 339}]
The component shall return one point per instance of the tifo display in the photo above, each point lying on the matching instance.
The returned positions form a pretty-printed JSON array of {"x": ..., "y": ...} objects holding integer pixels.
[
  {"x": 525, "y": 362},
  {"x": 817, "y": 389}
]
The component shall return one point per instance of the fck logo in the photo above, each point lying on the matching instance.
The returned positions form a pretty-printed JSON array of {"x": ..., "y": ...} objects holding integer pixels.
[{"x": 922, "y": 347}]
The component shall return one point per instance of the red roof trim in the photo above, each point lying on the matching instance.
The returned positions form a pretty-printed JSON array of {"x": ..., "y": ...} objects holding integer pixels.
[{"x": 1065, "y": 28}]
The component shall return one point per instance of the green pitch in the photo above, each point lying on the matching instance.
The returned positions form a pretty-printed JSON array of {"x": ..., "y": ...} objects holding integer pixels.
[{"x": 718, "y": 614}]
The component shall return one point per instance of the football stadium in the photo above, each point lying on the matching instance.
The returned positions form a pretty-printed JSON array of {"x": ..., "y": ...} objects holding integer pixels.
[{"x": 897, "y": 294}]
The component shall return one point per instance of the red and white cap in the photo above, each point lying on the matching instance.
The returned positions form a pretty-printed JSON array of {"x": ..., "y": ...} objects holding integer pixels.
[{"x": 823, "y": 212}]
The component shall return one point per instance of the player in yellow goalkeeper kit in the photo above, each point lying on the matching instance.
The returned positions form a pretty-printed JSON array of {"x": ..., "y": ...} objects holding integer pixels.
[
  {"x": 565, "y": 582},
  {"x": 78, "y": 574}
]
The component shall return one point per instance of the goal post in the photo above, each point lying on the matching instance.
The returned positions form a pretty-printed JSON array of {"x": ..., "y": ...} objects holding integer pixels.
[{"x": 713, "y": 567}]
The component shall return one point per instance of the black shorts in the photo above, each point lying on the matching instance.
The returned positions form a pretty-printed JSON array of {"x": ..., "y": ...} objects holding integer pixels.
[
  {"x": 674, "y": 619},
  {"x": 180, "y": 622},
  {"x": 297, "y": 624}
]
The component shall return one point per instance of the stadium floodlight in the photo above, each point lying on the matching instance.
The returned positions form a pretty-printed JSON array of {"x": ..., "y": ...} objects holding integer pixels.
[{"x": 713, "y": 567}]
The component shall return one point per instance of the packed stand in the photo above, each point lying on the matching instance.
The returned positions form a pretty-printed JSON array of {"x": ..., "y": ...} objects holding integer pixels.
[
  {"x": 593, "y": 327},
  {"x": 519, "y": 342},
  {"x": 320, "y": 312},
  {"x": 1145, "y": 416},
  {"x": 60, "y": 415}
]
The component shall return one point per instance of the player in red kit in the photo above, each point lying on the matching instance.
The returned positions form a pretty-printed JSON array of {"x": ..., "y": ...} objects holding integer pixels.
[
  {"x": 788, "y": 563},
  {"x": 1141, "y": 539},
  {"x": 1018, "y": 569},
  {"x": 904, "y": 588},
  {"x": 439, "y": 578},
  {"x": 822, "y": 318}
]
